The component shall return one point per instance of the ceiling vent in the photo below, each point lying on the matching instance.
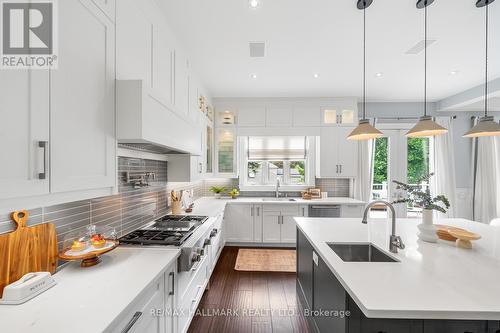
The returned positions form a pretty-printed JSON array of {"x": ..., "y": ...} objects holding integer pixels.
[
  {"x": 419, "y": 47},
  {"x": 257, "y": 49}
]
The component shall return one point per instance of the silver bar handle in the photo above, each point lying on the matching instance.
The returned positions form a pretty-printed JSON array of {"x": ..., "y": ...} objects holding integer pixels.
[
  {"x": 258, "y": 211},
  {"x": 252, "y": 211},
  {"x": 337, "y": 168},
  {"x": 43, "y": 145},
  {"x": 341, "y": 168},
  {"x": 172, "y": 292},
  {"x": 132, "y": 321}
]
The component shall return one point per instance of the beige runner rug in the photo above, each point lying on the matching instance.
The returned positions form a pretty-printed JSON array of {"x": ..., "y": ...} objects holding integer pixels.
[{"x": 266, "y": 260}]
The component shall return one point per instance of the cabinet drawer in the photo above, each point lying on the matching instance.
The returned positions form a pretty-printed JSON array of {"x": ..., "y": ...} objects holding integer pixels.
[
  {"x": 351, "y": 211},
  {"x": 139, "y": 313}
]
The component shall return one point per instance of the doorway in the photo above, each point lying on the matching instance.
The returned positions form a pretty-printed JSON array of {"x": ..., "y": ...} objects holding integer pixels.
[{"x": 397, "y": 157}]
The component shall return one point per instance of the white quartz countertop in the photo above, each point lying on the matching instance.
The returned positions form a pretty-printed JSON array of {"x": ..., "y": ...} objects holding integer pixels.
[
  {"x": 430, "y": 281},
  {"x": 89, "y": 299}
]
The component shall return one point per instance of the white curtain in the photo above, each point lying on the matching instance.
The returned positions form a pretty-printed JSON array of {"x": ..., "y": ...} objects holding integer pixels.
[
  {"x": 487, "y": 179},
  {"x": 444, "y": 181},
  {"x": 363, "y": 184}
]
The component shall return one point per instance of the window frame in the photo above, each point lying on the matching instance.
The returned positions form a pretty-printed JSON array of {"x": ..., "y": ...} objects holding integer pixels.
[{"x": 309, "y": 164}]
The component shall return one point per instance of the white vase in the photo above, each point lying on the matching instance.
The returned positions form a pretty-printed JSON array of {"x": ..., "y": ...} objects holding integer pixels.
[
  {"x": 217, "y": 195},
  {"x": 427, "y": 229}
]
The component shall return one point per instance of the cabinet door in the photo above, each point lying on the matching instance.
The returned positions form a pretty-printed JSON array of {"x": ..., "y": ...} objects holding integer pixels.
[
  {"x": 328, "y": 152},
  {"x": 351, "y": 211},
  {"x": 288, "y": 229},
  {"x": 347, "y": 153},
  {"x": 239, "y": 224},
  {"x": 147, "y": 322},
  {"x": 328, "y": 295},
  {"x": 271, "y": 227},
  {"x": 454, "y": 326},
  {"x": 181, "y": 83},
  {"x": 82, "y": 94},
  {"x": 24, "y": 114},
  {"x": 257, "y": 223},
  {"x": 305, "y": 268}
]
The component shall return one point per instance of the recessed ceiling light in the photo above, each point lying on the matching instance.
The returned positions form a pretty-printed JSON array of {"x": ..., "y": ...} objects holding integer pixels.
[
  {"x": 315, "y": 75},
  {"x": 379, "y": 74},
  {"x": 254, "y": 76},
  {"x": 454, "y": 72},
  {"x": 254, "y": 3}
]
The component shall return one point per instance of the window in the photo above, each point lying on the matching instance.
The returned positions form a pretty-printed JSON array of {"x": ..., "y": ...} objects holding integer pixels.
[{"x": 276, "y": 157}]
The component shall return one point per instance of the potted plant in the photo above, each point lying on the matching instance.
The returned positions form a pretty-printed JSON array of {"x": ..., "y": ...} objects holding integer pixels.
[
  {"x": 234, "y": 193},
  {"x": 217, "y": 190},
  {"x": 416, "y": 196}
]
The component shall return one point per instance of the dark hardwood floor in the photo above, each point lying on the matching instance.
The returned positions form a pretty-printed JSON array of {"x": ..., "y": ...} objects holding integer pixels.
[{"x": 259, "y": 301}]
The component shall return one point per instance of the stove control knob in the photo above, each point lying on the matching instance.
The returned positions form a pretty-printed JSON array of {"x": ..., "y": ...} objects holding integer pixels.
[
  {"x": 213, "y": 232},
  {"x": 200, "y": 251},
  {"x": 207, "y": 242}
]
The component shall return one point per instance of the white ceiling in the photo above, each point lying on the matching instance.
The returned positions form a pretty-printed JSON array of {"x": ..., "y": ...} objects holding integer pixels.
[{"x": 325, "y": 37}]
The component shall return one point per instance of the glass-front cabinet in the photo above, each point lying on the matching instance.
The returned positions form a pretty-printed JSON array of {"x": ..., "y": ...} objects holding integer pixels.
[
  {"x": 226, "y": 152},
  {"x": 335, "y": 116},
  {"x": 209, "y": 159}
]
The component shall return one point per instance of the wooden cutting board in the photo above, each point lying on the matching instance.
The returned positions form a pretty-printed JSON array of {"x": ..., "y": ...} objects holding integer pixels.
[{"x": 27, "y": 249}]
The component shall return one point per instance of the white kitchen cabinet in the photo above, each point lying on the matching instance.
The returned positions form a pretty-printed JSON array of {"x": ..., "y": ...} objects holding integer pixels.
[
  {"x": 306, "y": 116},
  {"x": 82, "y": 95},
  {"x": 184, "y": 168},
  {"x": 278, "y": 224},
  {"x": 339, "y": 117},
  {"x": 251, "y": 116},
  {"x": 243, "y": 223},
  {"x": 279, "y": 116},
  {"x": 271, "y": 227},
  {"x": 181, "y": 80},
  {"x": 139, "y": 317},
  {"x": 24, "y": 114},
  {"x": 337, "y": 156}
]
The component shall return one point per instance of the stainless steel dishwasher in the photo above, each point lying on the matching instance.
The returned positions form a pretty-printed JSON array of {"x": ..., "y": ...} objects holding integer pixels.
[{"x": 324, "y": 211}]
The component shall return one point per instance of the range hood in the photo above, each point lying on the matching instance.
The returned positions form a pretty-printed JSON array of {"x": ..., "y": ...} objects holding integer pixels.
[{"x": 149, "y": 148}]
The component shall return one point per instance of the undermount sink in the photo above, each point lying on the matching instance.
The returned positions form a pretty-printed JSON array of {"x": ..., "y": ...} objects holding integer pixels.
[
  {"x": 278, "y": 199},
  {"x": 360, "y": 252}
]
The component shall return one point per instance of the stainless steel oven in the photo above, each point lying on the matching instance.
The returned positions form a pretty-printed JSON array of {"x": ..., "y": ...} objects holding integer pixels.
[{"x": 324, "y": 211}]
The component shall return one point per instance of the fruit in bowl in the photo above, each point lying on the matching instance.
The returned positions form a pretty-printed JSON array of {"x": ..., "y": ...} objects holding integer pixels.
[
  {"x": 98, "y": 241},
  {"x": 78, "y": 245}
]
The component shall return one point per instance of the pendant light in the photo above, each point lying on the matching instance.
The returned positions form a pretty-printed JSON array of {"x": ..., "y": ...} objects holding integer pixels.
[
  {"x": 425, "y": 127},
  {"x": 364, "y": 131},
  {"x": 487, "y": 125}
]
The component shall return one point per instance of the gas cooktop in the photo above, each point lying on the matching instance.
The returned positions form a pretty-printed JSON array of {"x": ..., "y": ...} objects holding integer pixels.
[{"x": 167, "y": 230}]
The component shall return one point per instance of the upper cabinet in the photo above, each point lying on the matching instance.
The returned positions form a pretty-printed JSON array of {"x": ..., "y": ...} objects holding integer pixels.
[
  {"x": 279, "y": 116},
  {"x": 82, "y": 96},
  {"x": 24, "y": 138},
  {"x": 73, "y": 149},
  {"x": 337, "y": 156}
]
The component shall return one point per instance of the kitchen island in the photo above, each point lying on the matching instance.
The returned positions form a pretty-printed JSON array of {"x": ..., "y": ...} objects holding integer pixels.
[{"x": 431, "y": 287}]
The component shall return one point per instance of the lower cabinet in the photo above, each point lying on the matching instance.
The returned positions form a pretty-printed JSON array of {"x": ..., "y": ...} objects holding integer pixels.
[
  {"x": 243, "y": 223},
  {"x": 151, "y": 311},
  {"x": 324, "y": 298},
  {"x": 278, "y": 225}
]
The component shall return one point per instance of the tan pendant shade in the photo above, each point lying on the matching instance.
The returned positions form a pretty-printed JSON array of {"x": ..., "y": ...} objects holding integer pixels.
[
  {"x": 364, "y": 131},
  {"x": 426, "y": 127},
  {"x": 486, "y": 126}
]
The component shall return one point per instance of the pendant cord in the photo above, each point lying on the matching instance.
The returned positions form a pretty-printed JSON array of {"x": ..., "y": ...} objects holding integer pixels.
[
  {"x": 486, "y": 67},
  {"x": 425, "y": 61},
  {"x": 364, "y": 62}
]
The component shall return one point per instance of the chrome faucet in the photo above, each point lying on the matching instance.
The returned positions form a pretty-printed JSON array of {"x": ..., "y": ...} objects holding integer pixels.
[
  {"x": 277, "y": 187},
  {"x": 395, "y": 242}
]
